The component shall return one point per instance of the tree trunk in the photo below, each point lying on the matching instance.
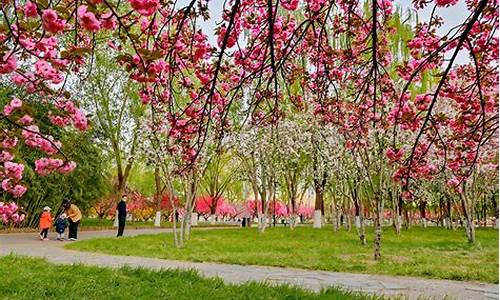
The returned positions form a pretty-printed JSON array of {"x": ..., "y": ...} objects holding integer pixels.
[
  {"x": 115, "y": 223},
  {"x": 495, "y": 207},
  {"x": 158, "y": 197},
  {"x": 293, "y": 216},
  {"x": 448, "y": 217},
  {"x": 293, "y": 221},
  {"x": 469, "y": 228},
  {"x": 359, "y": 222},
  {"x": 379, "y": 212},
  {"x": 423, "y": 219},
  {"x": 335, "y": 223},
  {"x": 262, "y": 222},
  {"x": 398, "y": 204},
  {"x": 318, "y": 208},
  {"x": 407, "y": 220},
  {"x": 347, "y": 222},
  {"x": 358, "y": 214},
  {"x": 170, "y": 193}
]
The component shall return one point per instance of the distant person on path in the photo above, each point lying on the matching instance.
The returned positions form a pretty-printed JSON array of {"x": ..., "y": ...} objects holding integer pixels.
[
  {"x": 61, "y": 224},
  {"x": 122, "y": 214},
  {"x": 45, "y": 223},
  {"x": 74, "y": 216}
]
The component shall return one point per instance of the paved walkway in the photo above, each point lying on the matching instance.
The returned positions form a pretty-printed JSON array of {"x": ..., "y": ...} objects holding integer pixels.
[{"x": 28, "y": 244}]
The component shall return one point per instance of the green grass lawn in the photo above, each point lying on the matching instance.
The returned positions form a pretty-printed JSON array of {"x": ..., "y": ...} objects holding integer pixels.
[
  {"x": 426, "y": 252},
  {"x": 29, "y": 278}
]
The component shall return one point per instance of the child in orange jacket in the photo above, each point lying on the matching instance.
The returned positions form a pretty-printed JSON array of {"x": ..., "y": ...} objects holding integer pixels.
[{"x": 45, "y": 223}]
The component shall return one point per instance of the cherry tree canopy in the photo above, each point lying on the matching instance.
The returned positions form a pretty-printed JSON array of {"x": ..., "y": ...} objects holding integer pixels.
[{"x": 344, "y": 57}]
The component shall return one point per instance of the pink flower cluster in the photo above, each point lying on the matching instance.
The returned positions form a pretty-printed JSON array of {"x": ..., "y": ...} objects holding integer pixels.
[
  {"x": 305, "y": 211},
  {"x": 12, "y": 106},
  {"x": 445, "y": 3},
  {"x": 46, "y": 71},
  {"x": 88, "y": 19},
  {"x": 9, "y": 142},
  {"x": 315, "y": 5},
  {"x": 34, "y": 139},
  {"x": 13, "y": 170},
  {"x": 45, "y": 166},
  {"x": 290, "y": 4},
  {"x": 145, "y": 7},
  {"x": 51, "y": 21},
  {"x": 71, "y": 115},
  {"x": 9, "y": 213},
  {"x": 30, "y": 10},
  {"x": 394, "y": 154},
  {"x": 8, "y": 64},
  {"x": 27, "y": 80},
  {"x": 16, "y": 190}
]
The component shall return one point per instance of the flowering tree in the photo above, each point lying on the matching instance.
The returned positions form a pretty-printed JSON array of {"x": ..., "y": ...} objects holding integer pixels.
[
  {"x": 258, "y": 153},
  {"x": 108, "y": 95},
  {"x": 10, "y": 214},
  {"x": 140, "y": 206},
  {"x": 293, "y": 159},
  {"x": 340, "y": 54},
  {"x": 105, "y": 206},
  {"x": 216, "y": 178}
]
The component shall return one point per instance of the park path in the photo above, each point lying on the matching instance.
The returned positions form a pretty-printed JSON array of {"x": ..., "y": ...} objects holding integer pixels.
[{"x": 410, "y": 287}]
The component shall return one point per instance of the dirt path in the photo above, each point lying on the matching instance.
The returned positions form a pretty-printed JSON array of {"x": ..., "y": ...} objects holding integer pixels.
[{"x": 28, "y": 244}]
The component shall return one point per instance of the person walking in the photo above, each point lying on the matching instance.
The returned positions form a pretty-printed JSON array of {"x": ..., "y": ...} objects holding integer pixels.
[
  {"x": 45, "y": 223},
  {"x": 122, "y": 215},
  {"x": 74, "y": 216}
]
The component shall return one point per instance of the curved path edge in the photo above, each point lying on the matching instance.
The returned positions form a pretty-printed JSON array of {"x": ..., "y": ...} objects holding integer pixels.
[{"x": 409, "y": 287}]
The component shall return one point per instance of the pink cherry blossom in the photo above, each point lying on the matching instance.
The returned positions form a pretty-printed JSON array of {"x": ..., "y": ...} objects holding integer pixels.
[
  {"x": 145, "y": 7},
  {"x": 8, "y": 64},
  {"x": 14, "y": 170},
  {"x": 6, "y": 156},
  {"x": 30, "y": 9},
  {"x": 444, "y": 3},
  {"x": 290, "y": 4},
  {"x": 17, "y": 192},
  {"x": 88, "y": 19},
  {"x": 51, "y": 21},
  {"x": 9, "y": 142},
  {"x": 26, "y": 120}
]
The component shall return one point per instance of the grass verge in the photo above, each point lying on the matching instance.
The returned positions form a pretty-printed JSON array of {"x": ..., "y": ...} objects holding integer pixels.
[
  {"x": 29, "y": 278},
  {"x": 425, "y": 252}
]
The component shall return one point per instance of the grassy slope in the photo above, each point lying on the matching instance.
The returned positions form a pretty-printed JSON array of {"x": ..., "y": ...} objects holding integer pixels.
[
  {"x": 430, "y": 252},
  {"x": 29, "y": 278}
]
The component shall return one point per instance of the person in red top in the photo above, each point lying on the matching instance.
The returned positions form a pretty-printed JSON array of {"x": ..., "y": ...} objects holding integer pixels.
[{"x": 45, "y": 223}]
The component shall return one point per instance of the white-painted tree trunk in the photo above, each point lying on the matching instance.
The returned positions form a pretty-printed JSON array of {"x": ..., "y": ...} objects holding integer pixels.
[
  {"x": 446, "y": 223},
  {"x": 115, "y": 224},
  {"x": 194, "y": 219},
  {"x": 158, "y": 219},
  {"x": 347, "y": 222},
  {"x": 262, "y": 222},
  {"x": 211, "y": 219},
  {"x": 496, "y": 223},
  {"x": 292, "y": 221},
  {"x": 424, "y": 222},
  {"x": 317, "y": 219},
  {"x": 398, "y": 221},
  {"x": 357, "y": 222}
]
